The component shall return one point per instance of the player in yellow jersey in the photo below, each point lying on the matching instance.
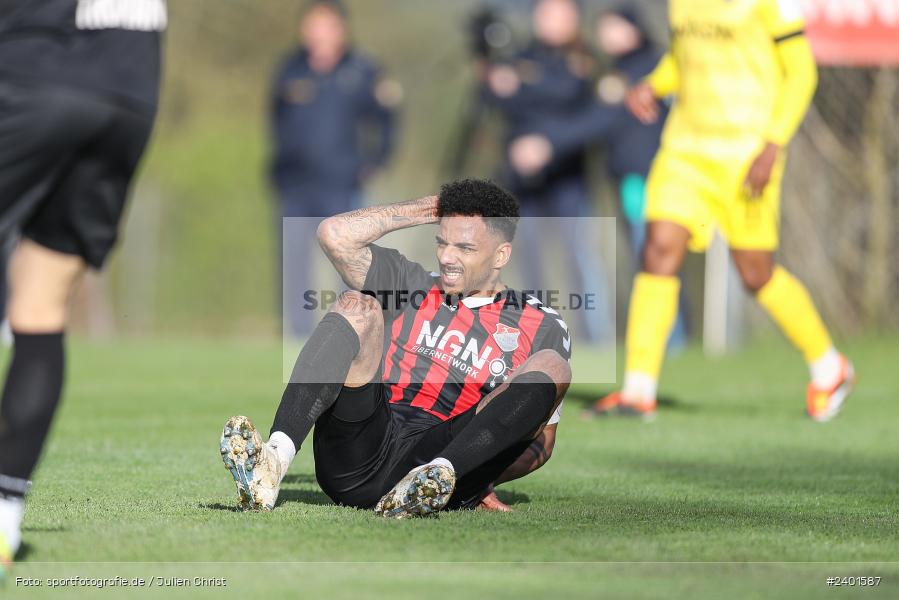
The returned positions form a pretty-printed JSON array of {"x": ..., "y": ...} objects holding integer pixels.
[{"x": 743, "y": 75}]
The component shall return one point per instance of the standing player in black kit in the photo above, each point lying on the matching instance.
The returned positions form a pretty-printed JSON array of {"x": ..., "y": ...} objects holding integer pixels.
[
  {"x": 79, "y": 82},
  {"x": 429, "y": 387}
]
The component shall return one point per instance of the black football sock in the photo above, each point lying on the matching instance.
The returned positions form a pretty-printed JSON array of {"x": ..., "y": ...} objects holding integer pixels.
[
  {"x": 317, "y": 378},
  {"x": 513, "y": 414},
  {"x": 30, "y": 397}
]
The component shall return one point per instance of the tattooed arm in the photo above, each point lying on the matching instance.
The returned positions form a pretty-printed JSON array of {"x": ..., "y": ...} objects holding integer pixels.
[
  {"x": 345, "y": 237},
  {"x": 534, "y": 457}
]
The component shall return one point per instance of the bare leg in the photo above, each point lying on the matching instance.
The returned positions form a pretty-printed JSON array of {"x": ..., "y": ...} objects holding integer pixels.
[
  {"x": 755, "y": 267},
  {"x": 665, "y": 249},
  {"x": 42, "y": 282}
]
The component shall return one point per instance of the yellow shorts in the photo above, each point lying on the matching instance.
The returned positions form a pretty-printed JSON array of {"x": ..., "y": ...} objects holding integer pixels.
[{"x": 704, "y": 193}]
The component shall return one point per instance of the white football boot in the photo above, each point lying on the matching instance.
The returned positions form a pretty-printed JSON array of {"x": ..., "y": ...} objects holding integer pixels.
[
  {"x": 423, "y": 492},
  {"x": 11, "y": 512},
  {"x": 252, "y": 463}
]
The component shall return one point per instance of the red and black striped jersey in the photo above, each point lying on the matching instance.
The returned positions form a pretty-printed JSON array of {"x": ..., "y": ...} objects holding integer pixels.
[{"x": 441, "y": 357}]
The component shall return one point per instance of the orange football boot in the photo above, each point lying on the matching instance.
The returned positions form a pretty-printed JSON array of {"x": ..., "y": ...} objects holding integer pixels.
[
  {"x": 824, "y": 404},
  {"x": 615, "y": 404}
]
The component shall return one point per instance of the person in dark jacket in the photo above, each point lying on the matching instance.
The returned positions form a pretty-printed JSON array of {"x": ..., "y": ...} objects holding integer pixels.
[
  {"x": 537, "y": 91},
  {"x": 631, "y": 146},
  {"x": 333, "y": 125}
]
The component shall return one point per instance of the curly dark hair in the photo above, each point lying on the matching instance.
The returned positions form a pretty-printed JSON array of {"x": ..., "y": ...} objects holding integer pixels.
[{"x": 480, "y": 198}]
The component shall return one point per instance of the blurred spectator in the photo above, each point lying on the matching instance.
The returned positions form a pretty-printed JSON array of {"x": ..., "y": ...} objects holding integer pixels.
[
  {"x": 333, "y": 127},
  {"x": 540, "y": 87},
  {"x": 622, "y": 36}
]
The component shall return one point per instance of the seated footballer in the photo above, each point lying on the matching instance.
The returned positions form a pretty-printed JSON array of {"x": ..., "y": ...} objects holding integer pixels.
[{"x": 425, "y": 389}]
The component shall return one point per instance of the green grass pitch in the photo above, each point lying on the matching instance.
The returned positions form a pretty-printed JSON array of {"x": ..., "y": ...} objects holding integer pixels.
[{"x": 730, "y": 471}]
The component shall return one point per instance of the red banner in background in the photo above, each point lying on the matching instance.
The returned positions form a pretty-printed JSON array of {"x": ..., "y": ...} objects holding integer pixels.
[{"x": 853, "y": 32}]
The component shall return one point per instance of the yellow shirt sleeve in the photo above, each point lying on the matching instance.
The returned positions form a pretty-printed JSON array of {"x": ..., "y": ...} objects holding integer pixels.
[
  {"x": 784, "y": 22},
  {"x": 796, "y": 90},
  {"x": 665, "y": 78}
]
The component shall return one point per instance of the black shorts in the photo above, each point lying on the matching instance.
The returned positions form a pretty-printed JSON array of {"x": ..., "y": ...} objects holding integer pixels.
[
  {"x": 362, "y": 450},
  {"x": 67, "y": 158}
]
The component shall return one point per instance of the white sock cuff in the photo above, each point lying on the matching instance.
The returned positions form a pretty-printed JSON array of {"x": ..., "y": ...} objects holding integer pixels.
[
  {"x": 284, "y": 447},
  {"x": 826, "y": 370},
  {"x": 639, "y": 386}
]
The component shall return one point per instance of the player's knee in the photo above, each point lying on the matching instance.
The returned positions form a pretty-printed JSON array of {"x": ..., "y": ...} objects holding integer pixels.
[
  {"x": 550, "y": 363},
  {"x": 755, "y": 277},
  {"x": 662, "y": 256},
  {"x": 363, "y": 313},
  {"x": 44, "y": 315},
  {"x": 41, "y": 283}
]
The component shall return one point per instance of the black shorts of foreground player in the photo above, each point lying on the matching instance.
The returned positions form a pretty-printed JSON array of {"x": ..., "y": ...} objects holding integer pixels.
[{"x": 405, "y": 431}]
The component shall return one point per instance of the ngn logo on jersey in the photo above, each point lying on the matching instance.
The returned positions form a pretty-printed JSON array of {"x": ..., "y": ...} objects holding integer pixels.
[{"x": 463, "y": 353}]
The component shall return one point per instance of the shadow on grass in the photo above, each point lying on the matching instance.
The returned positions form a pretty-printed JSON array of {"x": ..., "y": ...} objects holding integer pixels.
[
  {"x": 25, "y": 549},
  {"x": 299, "y": 478},
  {"x": 308, "y": 494},
  {"x": 219, "y": 506},
  {"x": 316, "y": 497},
  {"x": 45, "y": 528},
  {"x": 305, "y": 496},
  {"x": 512, "y": 498},
  {"x": 584, "y": 397}
]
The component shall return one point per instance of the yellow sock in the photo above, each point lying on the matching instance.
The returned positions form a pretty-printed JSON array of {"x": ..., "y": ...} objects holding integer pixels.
[
  {"x": 791, "y": 307},
  {"x": 650, "y": 319}
]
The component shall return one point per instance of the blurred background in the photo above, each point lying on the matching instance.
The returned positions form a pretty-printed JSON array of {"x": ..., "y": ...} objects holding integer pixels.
[{"x": 199, "y": 254}]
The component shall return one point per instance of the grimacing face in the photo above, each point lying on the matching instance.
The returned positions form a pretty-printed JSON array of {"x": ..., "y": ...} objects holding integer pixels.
[{"x": 469, "y": 255}]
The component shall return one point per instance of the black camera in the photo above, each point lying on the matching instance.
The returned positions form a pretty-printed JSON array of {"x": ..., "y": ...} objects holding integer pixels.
[{"x": 490, "y": 36}]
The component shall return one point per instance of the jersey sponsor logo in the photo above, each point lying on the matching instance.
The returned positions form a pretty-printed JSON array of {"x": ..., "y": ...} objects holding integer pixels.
[
  {"x": 506, "y": 337},
  {"x": 135, "y": 15},
  {"x": 444, "y": 362},
  {"x": 498, "y": 371},
  {"x": 700, "y": 30},
  {"x": 452, "y": 347}
]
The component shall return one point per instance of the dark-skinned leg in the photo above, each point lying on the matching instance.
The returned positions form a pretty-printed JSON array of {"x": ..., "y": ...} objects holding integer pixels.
[
  {"x": 653, "y": 309},
  {"x": 504, "y": 424},
  {"x": 515, "y": 412},
  {"x": 789, "y": 304},
  {"x": 755, "y": 268}
]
